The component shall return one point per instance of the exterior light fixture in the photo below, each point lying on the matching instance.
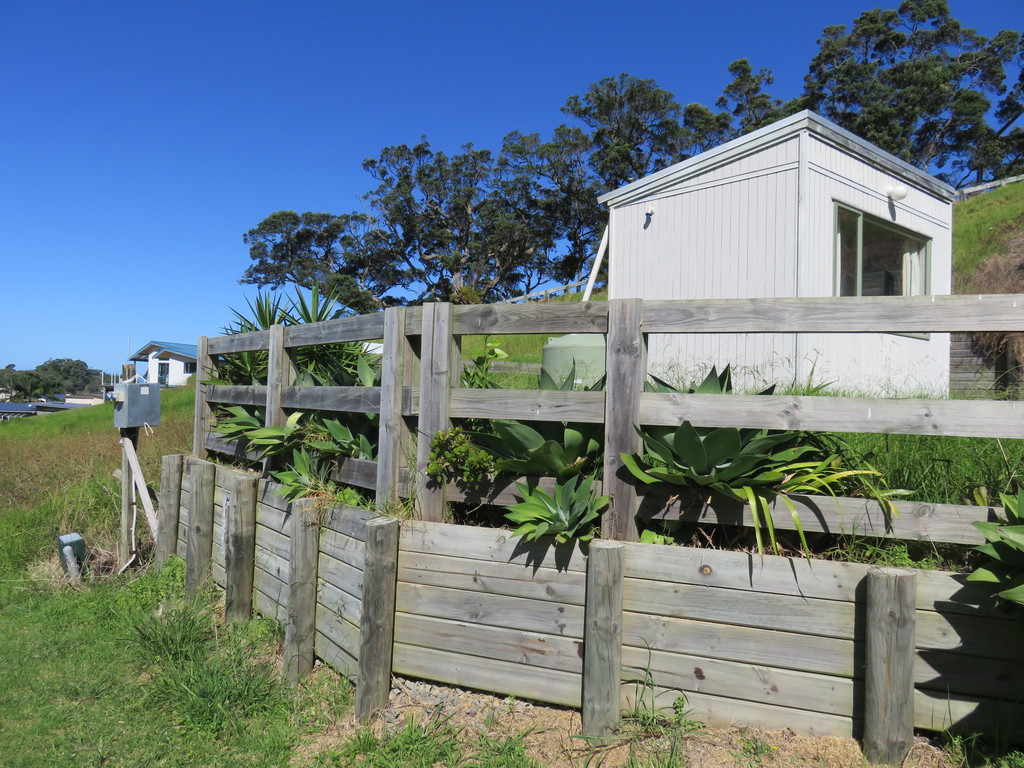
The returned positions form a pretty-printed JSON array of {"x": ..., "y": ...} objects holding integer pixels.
[{"x": 896, "y": 192}]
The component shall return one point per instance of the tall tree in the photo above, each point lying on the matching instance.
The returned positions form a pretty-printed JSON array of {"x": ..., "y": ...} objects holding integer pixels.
[
  {"x": 463, "y": 228},
  {"x": 917, "y": 83}
]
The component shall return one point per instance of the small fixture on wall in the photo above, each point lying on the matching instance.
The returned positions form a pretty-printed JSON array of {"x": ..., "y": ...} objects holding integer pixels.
[
  {"x": 648, "y": 215},
  {"x": 897, "y": 192}
]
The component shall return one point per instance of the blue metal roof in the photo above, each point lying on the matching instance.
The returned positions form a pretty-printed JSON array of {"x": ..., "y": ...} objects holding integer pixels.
[{"x": 172, "y": 347}]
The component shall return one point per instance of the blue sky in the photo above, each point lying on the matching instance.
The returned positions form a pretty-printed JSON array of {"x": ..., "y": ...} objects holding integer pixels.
[{"x": 139, "y": 140}]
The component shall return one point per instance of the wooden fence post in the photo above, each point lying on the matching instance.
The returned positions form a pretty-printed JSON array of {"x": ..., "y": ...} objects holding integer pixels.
[
  {"x": 239, "y": 547},
  {"x": 377, "y": 622},
  {"x": 439, "y": 371},
  {"x": 394, "y": 438},
  {"x": 889, "y": 673},
  {"x": 602, "y": 640},
  {"x": 204, "y": 414},
  {"x": 299, "y": 634},
  {"x": 169, "y": 501},
  {"x": 626, "y": 369},
  {"x": 199, "y": 540}
]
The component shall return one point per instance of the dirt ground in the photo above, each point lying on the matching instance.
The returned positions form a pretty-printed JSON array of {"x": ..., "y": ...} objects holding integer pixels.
[{"x": 552, "y": 735}]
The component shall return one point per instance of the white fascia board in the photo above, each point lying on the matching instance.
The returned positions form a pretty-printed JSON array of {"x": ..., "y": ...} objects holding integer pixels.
[{"x": 765, "y": 137}]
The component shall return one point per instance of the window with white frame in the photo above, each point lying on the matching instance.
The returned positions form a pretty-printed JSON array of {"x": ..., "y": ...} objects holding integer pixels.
[{"x": 876, "y": 258}]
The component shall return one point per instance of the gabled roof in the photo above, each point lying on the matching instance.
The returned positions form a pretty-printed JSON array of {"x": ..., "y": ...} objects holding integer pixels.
[
  {"x": 765, "y": 137},
  {"x": 165, "y": 350}
]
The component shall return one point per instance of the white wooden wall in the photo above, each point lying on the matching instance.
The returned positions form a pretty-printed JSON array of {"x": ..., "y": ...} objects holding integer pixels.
[{"x": 737, "y": 231}]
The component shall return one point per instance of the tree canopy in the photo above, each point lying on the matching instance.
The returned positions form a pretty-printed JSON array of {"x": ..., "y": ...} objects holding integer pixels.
[{"x": 478, "y": 226}]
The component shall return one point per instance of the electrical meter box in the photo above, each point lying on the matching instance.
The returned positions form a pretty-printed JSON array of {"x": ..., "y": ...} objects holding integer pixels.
[{"x": 136, "y": 405}]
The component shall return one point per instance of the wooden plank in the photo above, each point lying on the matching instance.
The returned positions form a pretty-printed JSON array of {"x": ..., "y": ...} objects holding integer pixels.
[
  {"x": 350, "y": 399},
  {"x": 271, "y": 585},
  {"x": 492, "y": 610},
  {"x": 358, "y": 472},
  {"x": 547, "y": 685},
  {"x": 965, "y": 673},
  {"x": 347, "y": 549},
  {"x": 889, "y": 672},
  {"x": 169, "y": 503},
  {"x": 338, "y": 602},
  {"x": 730, "y": 713},
  {"x": 368, "y": 327},
  {"x": 750, "y": 682},
  {"x": 266, "y": 604},
  {"x": 532, "y": 649},
  {"x": 528, "y": 405},
  {"x": 591, "y": 317},
  {"x": 340, "y": 660},
  {"x": 626, "y": 370},
  {"x": 936, "y": 711},
  {"x": 272, "y": 541},
  {"x": 339, "y": 630},
  {"x": 602, "y": 658},
  {"x": 852, "y": 314},
  {"x": 271, "y": 563},
  {"x": 831, "y": 656},
  {"x": 199, "y": 545},
  {"x": 280, "y": 374},
  {"x": 239, "y": 342},
  {"x": 438, "y": 375},
  {"x": 377, "y": 624},
  {"x": 914, "y": 521},
  {"x": 969, "y": 418},
  {"x": 797, "y": 577},
  {"x": 348, "y": 521},
  {"x": 334, "y": 648},
  {"x": 237, "y": 395},
  {"x": 994, "y": 638},
  {"x": 342, "y": 575},
  {"x": 493, "y": 578},
  {"x": 949, "y": 592},
  {"x": 269, "y": 495},
  {"x": 235, "y": 448},
  {"x": 240, "y": 548},
  {"x": 829, "y": 618},
  {"x": 504, "y": 491},
  {"x": 203, "y": 413},
  {"x": 496, "y": 545},
  {"x": 302, "y": 585},
  {"x": 394, "y": 439}
]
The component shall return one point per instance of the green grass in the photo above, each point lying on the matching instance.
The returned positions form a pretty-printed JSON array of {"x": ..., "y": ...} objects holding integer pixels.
[{"x": 982, "y": 226}]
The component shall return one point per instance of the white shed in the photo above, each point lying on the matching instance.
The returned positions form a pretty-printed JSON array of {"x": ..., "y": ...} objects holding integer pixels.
[
  {"x": 801, "y": 207},
  {"x": 169, "y": 363}
]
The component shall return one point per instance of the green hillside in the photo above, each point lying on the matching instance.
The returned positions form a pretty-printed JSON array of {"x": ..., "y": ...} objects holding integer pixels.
[{"x": 986, "y": 225}]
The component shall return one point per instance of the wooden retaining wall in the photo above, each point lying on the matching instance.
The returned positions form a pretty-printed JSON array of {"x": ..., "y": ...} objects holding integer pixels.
[{"x": 736, "y": 638}]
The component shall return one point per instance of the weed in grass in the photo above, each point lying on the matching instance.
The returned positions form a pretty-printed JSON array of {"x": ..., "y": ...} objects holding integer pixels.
[{"x": 753, "y": 750}]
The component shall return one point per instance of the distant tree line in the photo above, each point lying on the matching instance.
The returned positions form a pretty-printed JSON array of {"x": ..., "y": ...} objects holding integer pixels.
[
  {"x": 481, "y": 225},
  {"x": 55, "y": 377}
]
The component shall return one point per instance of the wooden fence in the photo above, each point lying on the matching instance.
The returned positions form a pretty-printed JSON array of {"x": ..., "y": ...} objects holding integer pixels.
[{"x": 765, "y": 641}]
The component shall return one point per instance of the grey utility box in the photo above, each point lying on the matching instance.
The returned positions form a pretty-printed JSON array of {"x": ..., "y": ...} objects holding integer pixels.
[{"x": 136, "y": 405}]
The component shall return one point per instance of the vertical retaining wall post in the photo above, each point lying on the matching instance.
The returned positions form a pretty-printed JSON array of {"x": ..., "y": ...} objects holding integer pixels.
[
  {"x": 626, "y": 369},
  {"x": 377, "y": 622},
  {"x": 239, "y": 547},
  {"x": 299, "y": 634},
  {"x": 199, "y": 539},
  {"x": 889, "y": 673},
  {"x": 602, "y": 640},
  {"x": 169, "y": 506}
]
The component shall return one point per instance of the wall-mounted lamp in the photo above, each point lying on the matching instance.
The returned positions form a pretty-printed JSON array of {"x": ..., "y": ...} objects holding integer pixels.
[
  {"x": 896, "y": 192},
  {"x": 649, "y": 212}
]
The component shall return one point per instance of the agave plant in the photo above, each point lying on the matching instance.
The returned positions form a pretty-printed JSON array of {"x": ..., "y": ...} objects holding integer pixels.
[
  {"x": 749, "y": 466},
  {"x": 568, "y": 514},
  {"x": 1005, "y": 547}
]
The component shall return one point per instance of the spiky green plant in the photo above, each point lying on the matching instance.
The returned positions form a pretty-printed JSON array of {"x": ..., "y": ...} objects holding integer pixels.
[
  {"x": 568, "y": 514},
  {"x": 1005, "y": 547}
]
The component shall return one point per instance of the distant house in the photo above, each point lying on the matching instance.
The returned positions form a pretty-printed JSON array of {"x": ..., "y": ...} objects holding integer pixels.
[
  {"x": 799, "y": 208},
  {"x": 169, "y": 364}
]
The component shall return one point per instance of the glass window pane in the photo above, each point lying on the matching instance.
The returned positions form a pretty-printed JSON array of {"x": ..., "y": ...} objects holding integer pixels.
[
  {"x": 847, "y": 252},
  {"x": 882, "y": 261}
]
